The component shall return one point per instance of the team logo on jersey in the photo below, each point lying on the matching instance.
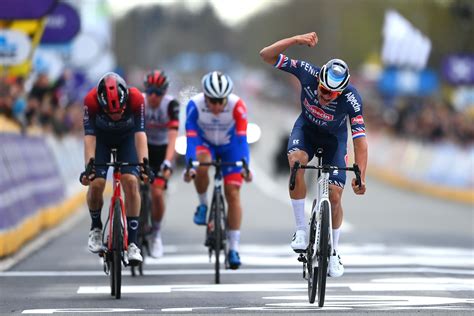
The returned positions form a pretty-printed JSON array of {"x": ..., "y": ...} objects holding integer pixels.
[
  {"x": 316, "y": 111},
  {"x": 294, "y": 63},
  {"x": 353, "y": 101},
  {"x": 357, "y": 120}
]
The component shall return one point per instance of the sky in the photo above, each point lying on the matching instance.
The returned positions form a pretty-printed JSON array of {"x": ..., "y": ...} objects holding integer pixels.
[{"x": 231, "y": 12}]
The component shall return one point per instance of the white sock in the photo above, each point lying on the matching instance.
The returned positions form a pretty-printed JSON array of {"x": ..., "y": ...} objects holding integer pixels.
[
  {"x": 234, "y": 238},
  {"x": 335, "y": 238},
  {"x": 203, "y": 198},
  {"x": 298, "y": 211}
]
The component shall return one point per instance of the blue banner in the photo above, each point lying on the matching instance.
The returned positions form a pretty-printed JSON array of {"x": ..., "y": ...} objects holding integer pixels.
[
  {"x": 25, "y": 9},
  {"x": 62, "y": 25}
]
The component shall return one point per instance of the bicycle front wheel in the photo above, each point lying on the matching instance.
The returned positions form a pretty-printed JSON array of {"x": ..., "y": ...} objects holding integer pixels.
[
  {"x": 323, "y": 253},
  {"x": 217, "y": 237},
  {"x": 117, "y": 248},
  {"x": 310, "y": 254}
]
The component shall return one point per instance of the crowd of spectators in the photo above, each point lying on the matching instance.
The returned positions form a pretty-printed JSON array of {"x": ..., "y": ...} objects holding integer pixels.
[{"x": 46, "y": 105}]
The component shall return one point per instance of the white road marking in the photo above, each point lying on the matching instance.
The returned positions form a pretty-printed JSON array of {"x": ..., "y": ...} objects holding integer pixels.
[
  {"x": 431, "y": 285},
  {"x": 81, "y": 310},
  {"x": 242, "y": 271}
]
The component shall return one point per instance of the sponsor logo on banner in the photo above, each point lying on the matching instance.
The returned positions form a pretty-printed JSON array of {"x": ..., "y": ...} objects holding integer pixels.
[
  {"x": 316, "y": 111},
  {"x": 357, "y": 120},
  {"x": 14, "y": 47}
]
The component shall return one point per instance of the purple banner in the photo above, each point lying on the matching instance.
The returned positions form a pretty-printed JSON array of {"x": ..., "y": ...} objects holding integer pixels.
[
  {"x": 30, "y": 178},
  {"x": 25, "y": 9},
  {"x": 458, "y": 69},
  {"x": 62, "y": 26}
]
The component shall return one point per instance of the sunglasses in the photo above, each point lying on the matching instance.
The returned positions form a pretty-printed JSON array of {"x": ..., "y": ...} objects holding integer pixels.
[
  {"x": 329, "y": 93},
  {"x": 218, "y": 100},
  {"x": 153, "y": 90}
]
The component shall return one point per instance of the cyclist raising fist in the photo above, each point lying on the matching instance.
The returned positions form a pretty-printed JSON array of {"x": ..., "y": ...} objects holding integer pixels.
[{"x": 327, "y": 102}]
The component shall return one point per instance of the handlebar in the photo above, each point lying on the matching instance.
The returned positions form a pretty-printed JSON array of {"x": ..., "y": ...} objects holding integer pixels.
[{"x": 324, "y": 169}]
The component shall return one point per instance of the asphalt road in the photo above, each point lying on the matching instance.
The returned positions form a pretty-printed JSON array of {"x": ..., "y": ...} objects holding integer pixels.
[{"x": 403, "y": 254}]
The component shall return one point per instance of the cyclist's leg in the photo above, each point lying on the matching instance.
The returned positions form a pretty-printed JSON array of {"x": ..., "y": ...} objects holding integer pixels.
[
  {"x": 336, "y": 154},
  {"x": 95, "y": 199},
  {"x": 127, "y": 152},
  {"x": 204, "y": 153},
  {"x": 300, "y": 149},
  {"x": 156, "y": 156}
]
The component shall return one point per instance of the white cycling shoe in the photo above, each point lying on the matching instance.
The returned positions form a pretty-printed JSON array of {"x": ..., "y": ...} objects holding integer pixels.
[
  {"x": 134, "y": 254},
  {"x": 156, "y": 249},
  {"x": 94, "y": 243},
  {"x": 299, "y": 243},
  {"x": 335, "y": 268}
]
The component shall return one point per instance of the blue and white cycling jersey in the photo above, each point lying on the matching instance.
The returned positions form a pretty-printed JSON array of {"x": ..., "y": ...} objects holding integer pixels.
[{"x": 330, "y": 118}]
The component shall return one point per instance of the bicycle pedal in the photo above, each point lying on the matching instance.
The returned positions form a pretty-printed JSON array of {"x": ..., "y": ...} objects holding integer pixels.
[{"x": 302, "y": 258}]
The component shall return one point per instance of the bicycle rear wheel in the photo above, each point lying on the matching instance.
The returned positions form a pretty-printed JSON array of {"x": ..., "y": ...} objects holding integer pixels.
[
  {"x": 310, "y": 253},
  {"x": 323, "y": 253},
  {"x": 117, "y": 248},
  {"x": 217, "y": 237}
]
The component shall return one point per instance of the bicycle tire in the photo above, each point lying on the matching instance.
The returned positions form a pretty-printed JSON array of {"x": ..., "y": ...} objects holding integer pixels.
[
  {"x": 144, "y": 221},
  {"x": 323, "y": 253},
  {"x": 312, "y": 271},
  {"x": 117, "y": 248},
  {"x": 217, "y": 238}
]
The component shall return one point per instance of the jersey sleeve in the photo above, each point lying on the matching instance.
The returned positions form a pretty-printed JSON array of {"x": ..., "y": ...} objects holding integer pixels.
[
  {"x": 355, "y": 113},
  {"x": 192, "y": 136},
  {"x": 137, "y": 104},
  {"x": 241, "y": 122},
  {"x": 90, "y": 110},
  {"x": 173, "y": 115},
  {"x": 298, "y": 68}
]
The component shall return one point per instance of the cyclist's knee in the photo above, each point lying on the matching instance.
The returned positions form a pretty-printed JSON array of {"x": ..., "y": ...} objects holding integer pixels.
[
  {"x": 298, "y": 155},
  {"x": 335, "y": 196},
  {"x": 97, "y": 186},
  {"x": 129, "y": 184},
  {"x": 232, "y": 193}
]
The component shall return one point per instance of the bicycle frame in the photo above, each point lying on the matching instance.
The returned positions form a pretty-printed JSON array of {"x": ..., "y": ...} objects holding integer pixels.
[
  {"x": 117, "y": 194},
  {"x": 315, "y": 257}
]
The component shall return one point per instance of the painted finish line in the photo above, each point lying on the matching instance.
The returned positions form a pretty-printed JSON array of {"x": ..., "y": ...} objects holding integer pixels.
[
  {"x": 374, "y": 270},
  {"x": 375, "y": 285}
]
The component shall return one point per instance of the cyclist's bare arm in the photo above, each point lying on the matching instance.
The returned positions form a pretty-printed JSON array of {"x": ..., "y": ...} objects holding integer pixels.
[
  {"x": 89, "y": 147},
  {"x": 172, "y": 135},
  {"x": 141, "y": 145},
  {"x": 360, "y": 158},
  {"x": 270, "y": 53}
]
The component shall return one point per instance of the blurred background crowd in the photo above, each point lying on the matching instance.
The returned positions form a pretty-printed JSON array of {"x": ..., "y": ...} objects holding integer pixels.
[{"x": 412, "y": 61}]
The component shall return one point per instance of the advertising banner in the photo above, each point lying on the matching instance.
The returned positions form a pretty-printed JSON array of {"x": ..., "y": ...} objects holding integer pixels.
[
  {"x": 15, "y": 47},
  {"x": 25, "y": 9},
  {"x": 62, "y": 25}
]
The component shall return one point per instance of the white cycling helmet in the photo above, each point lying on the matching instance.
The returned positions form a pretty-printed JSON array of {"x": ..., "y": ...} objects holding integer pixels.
[
  {"x": 217, "y": 85},
  {"x": 334, "y": 75}
]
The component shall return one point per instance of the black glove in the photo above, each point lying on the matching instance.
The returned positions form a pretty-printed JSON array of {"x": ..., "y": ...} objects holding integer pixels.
[
  {"x": 147, "y": 171},
  {"x": 90, "y": 170}
]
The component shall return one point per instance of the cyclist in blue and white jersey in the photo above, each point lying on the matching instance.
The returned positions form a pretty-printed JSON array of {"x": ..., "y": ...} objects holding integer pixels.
[
  {"x": 327, "y": 102},
  {"x": 216, "y": 125}
]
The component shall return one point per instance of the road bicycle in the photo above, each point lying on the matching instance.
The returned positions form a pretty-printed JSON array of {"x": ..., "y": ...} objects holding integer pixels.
[
  {"x": 114, "y": 251},
  {"x": 315, "y": 258},
  {"x": 216, "y": 232}
]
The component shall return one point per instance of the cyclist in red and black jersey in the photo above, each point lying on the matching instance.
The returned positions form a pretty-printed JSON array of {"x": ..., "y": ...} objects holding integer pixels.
[
  {"x": 114, "y": 117},
  {"x": 162, "y": 122}
]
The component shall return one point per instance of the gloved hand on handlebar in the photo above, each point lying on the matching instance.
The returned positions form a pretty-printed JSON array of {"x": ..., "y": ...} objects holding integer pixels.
[
  {"x": 88, "y": 175},
  {"x": 146, "y": 174},
  {"x": 166, "y": 169}
]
